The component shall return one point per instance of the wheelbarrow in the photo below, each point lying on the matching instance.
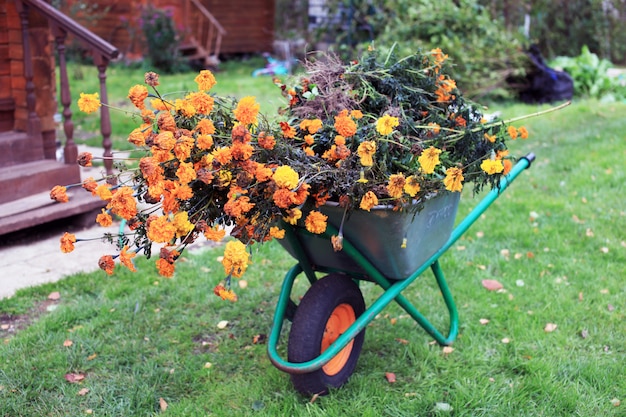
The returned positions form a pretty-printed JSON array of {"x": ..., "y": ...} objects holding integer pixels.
[{"x": 328, "y": 325}]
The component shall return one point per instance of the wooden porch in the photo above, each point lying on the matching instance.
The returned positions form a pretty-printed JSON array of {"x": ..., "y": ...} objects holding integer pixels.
[{"x": 29, "y": 166}]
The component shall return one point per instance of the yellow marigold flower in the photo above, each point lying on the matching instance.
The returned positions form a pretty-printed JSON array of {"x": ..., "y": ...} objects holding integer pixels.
[
  {"x": 165, "y": 268},
  {"x": 386, "y": 124},
  {"x": 277, "y": 233},
  {"x": 127, "y": 259},
  {"x": 247, "y": 110},
  {"x": 137, "y": 94},
  {"x": 205, "y": 80},
  {"x": 454, "y": 179},
  {"x": 89, "y": 103},
  {"x": 236, "y": 258},
  {"x": 429, "y": 159},
  {"x": 512, "y": 131},
  {"x": 104, "y": 192},
  {"x": 182, "y": 224},
  {"x": 201, "y": 101},
  {"x": 123, "y": 203},
  {"x": 395, "y": 186},
  {"x": 368, "y": 201},
  {"x": 107, "y": 264},
  {"x": 491, "y": 166},
  {"x": 185, "y": 107},
  {"x": 161, "y": 105},
  {"x": 523, "y": 132},
  {"x": 67, "y": 242},
  {"x": 286, "y": 177},
  {"x": 315, "y": 222},
  {"x": 205, "y": 127},
  {"x": 104, "y": 219},
  {"x": 224, "y": 177},
  {"x": 59, "y": 194},
  {"x": 344, "y": 125},
  {"x": 412, "y": 186},
  {"x": 160, "y": 230},
  {"x": 293, "y": 216},
  {"x": 366, "y": 151}
]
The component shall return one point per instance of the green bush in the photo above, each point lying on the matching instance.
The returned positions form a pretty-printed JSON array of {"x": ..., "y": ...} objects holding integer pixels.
[
  {"x": 162, "y": 39},
  {"x": 590, "y": 74},
  {"x": 482, "y": 52}
]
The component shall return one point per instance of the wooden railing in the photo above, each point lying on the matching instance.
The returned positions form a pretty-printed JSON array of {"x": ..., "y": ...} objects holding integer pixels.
[
  {"x": 102, "y": 52},
  {"x": 204, "y": 29}
]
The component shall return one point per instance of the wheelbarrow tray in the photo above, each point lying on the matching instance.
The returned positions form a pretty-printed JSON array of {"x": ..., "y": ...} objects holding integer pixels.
[{"x": 397, "y": 242}]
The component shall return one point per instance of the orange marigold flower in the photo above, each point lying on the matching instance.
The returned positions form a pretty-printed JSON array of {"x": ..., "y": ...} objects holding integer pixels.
[
  {"x": 214, "y": 233},
  {"x": 366, "y": 152},
  {"x": 165, "y": 268},
  {"x": 491, "y": 166},
  {"x": 315, "y": 222},
  {"x": 435, "y": 128},
  {"x": 489, "y": 138},
  {"x": 311, "y": 125},
  {"x": 395, "y": 185},
  {"x": 222, "y": 155},
  {"x": 238, "y": 206},
  {"x": 107, "y": 264},
  {"x": 90, "y": 185},
  {"x": 205, "y": 127},
  {"x": 202, "y": 102},
  {"x": 247, "y": 110},
  {"x": 166, "y": 121},
  {"x": 460, "y": 121},
  {"x": 337, "y": 242},
  {"x": 104, "y": 192},
  {"x": 126, "y": 259},
  {"x": 412, "y": 186},
  {"x": 160, "y": 230},
  {"x": 439, "y": 56},
  {"x": 241, "y": 151},
  {"x": 508, "y": 165},
  {"x": 137, "y": 137},
  {"x": 283, "y": 198},
  {"x": 386, "y": 124},
  {"x": 344, "y": 125},
  {"x": 137, "y": 94},
  {"x": 368, "y": 201},
  {"x": 236, "y": 258},
  {"x": 266, "y": 141},
  {"x": 523, "y": 132},
  {"x": 309, "y": 151},
  {"x": 104, "y": 219},
  {"x": 67, "y": 242},
  {"x": 205, "y": 80},
  {"x": 356, "y": 114},
  {"x": 161, "y": 105},
  {"x": 165, "y": 140},
  {"x": 204, "y": 142},
  {"x": 288, "y": 131},
  {"x": 186, "y": 173},
  {"x": 84, "y": 159},
  {"x": 277, "y": 233},
  {"x": 263, "y": 173},
  {"x": 123, "y": 203},
  {"x": 89, "y": 103},
  {"x": 185, "y": 107},
  {"x": 429, "y": 159},
  {"x": 59, "y": 194},
  {"x": 512, "y": 131},
  {"x": 454, "y": 179},
  {"x": 225, "y": 294}
]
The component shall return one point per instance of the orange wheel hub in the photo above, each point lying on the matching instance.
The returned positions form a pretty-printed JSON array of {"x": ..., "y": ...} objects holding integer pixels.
[{"x": 340, "y": 319}]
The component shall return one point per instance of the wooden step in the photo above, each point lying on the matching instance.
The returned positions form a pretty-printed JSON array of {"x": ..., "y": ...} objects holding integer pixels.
[
  {"x": 17, "y": 147},
  {"x": 39, "y": 209},
  {"x": 22, "y": 180}
]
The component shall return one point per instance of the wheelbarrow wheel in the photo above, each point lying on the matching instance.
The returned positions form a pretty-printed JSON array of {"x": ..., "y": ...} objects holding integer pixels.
[{"x": 327, "y": 309}]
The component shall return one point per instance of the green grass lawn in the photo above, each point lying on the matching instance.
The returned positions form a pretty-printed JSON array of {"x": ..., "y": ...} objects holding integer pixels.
[{"x": 555, "y": 240}]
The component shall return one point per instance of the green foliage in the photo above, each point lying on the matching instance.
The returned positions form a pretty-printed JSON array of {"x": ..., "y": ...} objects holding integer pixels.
[
  {"x": 162, "y": 39},
  {"x": 590, "y": 74},
  {"x": 483, "y": 53}
]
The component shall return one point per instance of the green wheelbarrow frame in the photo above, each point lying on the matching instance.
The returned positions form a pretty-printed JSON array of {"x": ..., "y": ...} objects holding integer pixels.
[{"x": 393, "y": 289}]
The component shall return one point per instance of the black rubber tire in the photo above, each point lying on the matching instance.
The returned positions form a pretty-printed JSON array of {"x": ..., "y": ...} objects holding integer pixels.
[{"x": 309, "y": 325}]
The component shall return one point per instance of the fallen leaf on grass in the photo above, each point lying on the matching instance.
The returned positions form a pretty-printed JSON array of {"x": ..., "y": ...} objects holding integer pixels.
[
  {"x": 483, "y": 321},
  {"x": 604, "y": 249},
  {"x": 447, "y": 350},
  {"x": 68, "y": 343},
  {"x": 506, "y": 340},
  {"x": 615, "y": 402},
  {"x": 391, "y": 377},
  {"x": 162, "y": 404},
  {"x": 492, "y": 284},
  {"x": 584, "y": 333},
  {"x": 92, "y": 357},
  {"x": 610, "y": 307},
  {"x": 54, "y": 296},
  {"x": 403, "y": 341},
  {"x": 550, "y": 327},
  {"x": 443, "y": 407},
  {"x": 259, "y": 338},
  {"x": 222, "y": 324},
  {"x": 74, "y": 378},
  {"x": 83, "y": 392}
]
